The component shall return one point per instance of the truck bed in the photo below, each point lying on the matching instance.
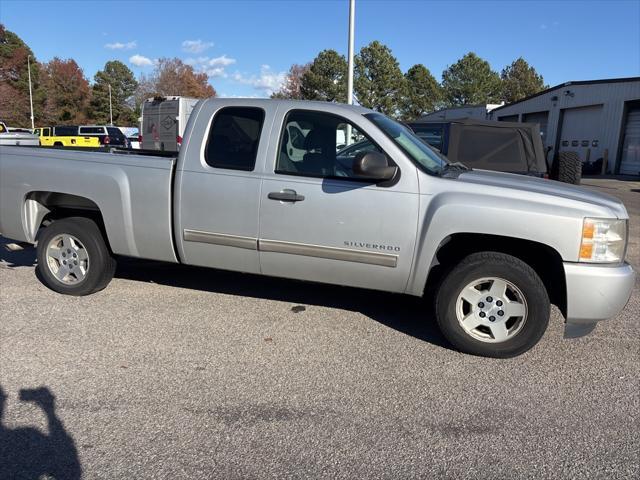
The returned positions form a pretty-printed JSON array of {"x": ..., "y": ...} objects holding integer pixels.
[{"x": 131, "y": 191}]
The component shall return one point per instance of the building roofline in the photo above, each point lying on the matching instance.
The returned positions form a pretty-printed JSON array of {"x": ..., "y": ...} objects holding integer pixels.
[{"x": 566, "y": 84}]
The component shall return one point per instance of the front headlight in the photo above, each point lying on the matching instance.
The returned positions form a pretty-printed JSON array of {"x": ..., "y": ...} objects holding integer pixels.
[{"x": 604, "y": 240}]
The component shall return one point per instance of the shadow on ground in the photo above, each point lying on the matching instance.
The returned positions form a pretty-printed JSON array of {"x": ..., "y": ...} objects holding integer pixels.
[
  {"x": 409, "y": 315},
  {"x": 27, "y": 453},
  {"x": 22, "y": 257}
]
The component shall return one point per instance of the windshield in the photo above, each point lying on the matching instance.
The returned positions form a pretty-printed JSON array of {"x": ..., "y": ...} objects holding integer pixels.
[{"x": 422, "y": 154}]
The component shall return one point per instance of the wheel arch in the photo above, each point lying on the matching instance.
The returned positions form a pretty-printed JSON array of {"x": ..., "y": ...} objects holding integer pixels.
[
  {"x": 42, "y": 208},
  {"x": 545, "y": 260}
]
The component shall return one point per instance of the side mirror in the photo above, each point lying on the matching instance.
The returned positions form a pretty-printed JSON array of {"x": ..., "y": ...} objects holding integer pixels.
[{"x": 373, "y": 166}]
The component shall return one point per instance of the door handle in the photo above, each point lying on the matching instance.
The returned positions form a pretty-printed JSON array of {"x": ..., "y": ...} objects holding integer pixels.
[{"x": 286, "y": 195}]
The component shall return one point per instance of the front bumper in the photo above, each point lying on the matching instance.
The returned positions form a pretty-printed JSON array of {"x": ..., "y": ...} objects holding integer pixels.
[{"x": 594, "y": 293}]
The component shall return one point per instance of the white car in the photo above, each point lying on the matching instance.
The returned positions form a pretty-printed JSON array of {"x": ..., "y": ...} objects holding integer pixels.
[
  {"x": 17, "y": 137},
  {"x": 134, "y": 142}
]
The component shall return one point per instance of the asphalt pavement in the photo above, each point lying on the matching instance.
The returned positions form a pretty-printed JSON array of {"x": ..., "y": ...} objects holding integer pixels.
[{"x": 179, "y": 372}]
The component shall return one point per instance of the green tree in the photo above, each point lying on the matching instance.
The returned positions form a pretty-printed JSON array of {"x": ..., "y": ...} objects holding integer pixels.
[
  {"x": 326, "y": 78},
  {"x": 379, "y": 83},
  {"x": 67, "y": 92},
  {"x": 123, "y": 85},
  {"x": 291, "y": 89},
  {"x": 422, "y": 93},
  {"x": 470, "y": 81},
  {"x": 519, "y": 80},
  {"x": 14, "y": 81}
]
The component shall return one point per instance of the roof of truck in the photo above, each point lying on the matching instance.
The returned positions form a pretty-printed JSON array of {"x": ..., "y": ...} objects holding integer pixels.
[{"x": 291, "y": 103}]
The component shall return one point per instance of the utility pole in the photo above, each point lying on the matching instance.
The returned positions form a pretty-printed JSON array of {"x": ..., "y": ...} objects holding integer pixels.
[
  {"x": 30, "y": 92},
  {"x": 110, "y": 108},
  {"x": 352, "y": 18}
]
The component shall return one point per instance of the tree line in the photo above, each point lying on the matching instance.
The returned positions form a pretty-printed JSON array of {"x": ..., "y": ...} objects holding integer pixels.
[
  {"x": 379, "y": 83},
  {"x": 63, "y": 96}
]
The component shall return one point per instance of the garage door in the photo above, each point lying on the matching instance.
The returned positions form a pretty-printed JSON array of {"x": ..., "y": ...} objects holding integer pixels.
[
  {"x": 542, "y": 119},
  {"x": 582, "y": 132},
  {"x": 630, "y": 163}
]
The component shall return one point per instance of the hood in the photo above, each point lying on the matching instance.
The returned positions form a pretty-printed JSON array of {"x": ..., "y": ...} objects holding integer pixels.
[{"x": 524, "y": 183}]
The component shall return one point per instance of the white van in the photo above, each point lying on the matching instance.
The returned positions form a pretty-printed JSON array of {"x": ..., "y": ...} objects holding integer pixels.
[{"x": 163, "y": 122}]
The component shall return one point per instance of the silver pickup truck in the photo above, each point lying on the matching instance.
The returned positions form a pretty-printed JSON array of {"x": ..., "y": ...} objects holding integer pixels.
[{"x": 271, "y": 187}]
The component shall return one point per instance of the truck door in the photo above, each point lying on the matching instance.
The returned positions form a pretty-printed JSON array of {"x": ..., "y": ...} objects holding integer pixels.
[
  {"x": 218, "y": 188},
  {"x": 319, "y": 222}
]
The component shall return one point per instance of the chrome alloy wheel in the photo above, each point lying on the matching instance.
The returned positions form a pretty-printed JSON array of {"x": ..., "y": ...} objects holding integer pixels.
[
  {"x": 491, "y": 310},
  {"x": 67, "y": 259}
]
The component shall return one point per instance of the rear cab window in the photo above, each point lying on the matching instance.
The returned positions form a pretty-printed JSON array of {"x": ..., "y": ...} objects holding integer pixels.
[
  {"x": 66, "y": 131},
  {"x": 92, "y": 131},
  {"x": 234, "y": 138}
]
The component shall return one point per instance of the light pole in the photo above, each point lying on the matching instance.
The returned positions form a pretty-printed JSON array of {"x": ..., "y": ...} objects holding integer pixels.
[
  {"x": 352, "y": 18},
  {"x": 110, "y": 108},
  {"x": 30, "y": 92}
]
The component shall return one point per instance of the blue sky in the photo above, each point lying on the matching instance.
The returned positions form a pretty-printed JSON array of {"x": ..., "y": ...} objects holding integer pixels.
[{"x": 246, "y": 46}]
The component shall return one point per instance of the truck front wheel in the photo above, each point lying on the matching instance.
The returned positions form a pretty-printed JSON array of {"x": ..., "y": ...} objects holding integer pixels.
[
  {"x": 493, "y": 305},
  {"x": 73, "y": 258}
]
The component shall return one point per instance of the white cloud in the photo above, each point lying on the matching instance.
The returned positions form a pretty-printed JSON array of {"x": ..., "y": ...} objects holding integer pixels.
[
  {"x": 214, "y": 67},
  {"x": 121, "y": 46},
  {"x": 216, "y": 72},
  {"x": 196, "y": 46},
  {"x": 140, "y": 61},
  {"x": 222, "y": 61},
  {"x": 228, "y": 95},
  {"x": 268, "y": 81}
]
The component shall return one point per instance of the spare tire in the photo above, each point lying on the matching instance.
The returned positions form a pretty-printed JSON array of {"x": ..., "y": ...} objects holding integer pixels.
[{"x": 569, "y": 167}]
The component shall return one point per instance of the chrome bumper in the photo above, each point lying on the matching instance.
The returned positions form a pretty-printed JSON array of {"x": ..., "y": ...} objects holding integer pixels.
[{"x": 594, "y": 293}]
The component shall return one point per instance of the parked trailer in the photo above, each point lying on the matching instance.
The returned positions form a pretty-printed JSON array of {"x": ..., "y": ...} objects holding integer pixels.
[{"x": 163, "y": 122}]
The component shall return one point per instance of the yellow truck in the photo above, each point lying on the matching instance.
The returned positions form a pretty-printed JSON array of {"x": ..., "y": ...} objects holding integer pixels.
[{"x": 65, "y": 136}]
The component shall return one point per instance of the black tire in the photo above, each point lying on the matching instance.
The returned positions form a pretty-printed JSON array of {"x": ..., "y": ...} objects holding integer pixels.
[
  {"x": 101, "y": 266},
  {"x": 58, "y": 144},
  {"x": 499, "y": 265},
  {"x": 569, "y": 168}
]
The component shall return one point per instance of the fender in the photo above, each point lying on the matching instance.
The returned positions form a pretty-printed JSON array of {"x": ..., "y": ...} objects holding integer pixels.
[{"x": 444, "y": 214}]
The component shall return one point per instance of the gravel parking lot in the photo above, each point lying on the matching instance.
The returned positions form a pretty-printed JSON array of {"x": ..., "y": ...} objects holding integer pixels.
[{"x": 177, "y": 372}]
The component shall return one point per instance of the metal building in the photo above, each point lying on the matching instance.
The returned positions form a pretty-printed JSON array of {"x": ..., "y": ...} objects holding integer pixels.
[
  {"x": 599, "y": 119},
  {"x": 480, "y": 112}
]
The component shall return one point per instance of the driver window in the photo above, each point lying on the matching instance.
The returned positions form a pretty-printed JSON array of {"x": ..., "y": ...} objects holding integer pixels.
[{"x": 318, "y": 144}]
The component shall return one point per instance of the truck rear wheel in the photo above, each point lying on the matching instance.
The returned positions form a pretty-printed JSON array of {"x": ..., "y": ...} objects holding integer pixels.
[
  {"x": 73, "y": 258},
  {"x": 492, "y": 305}
]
